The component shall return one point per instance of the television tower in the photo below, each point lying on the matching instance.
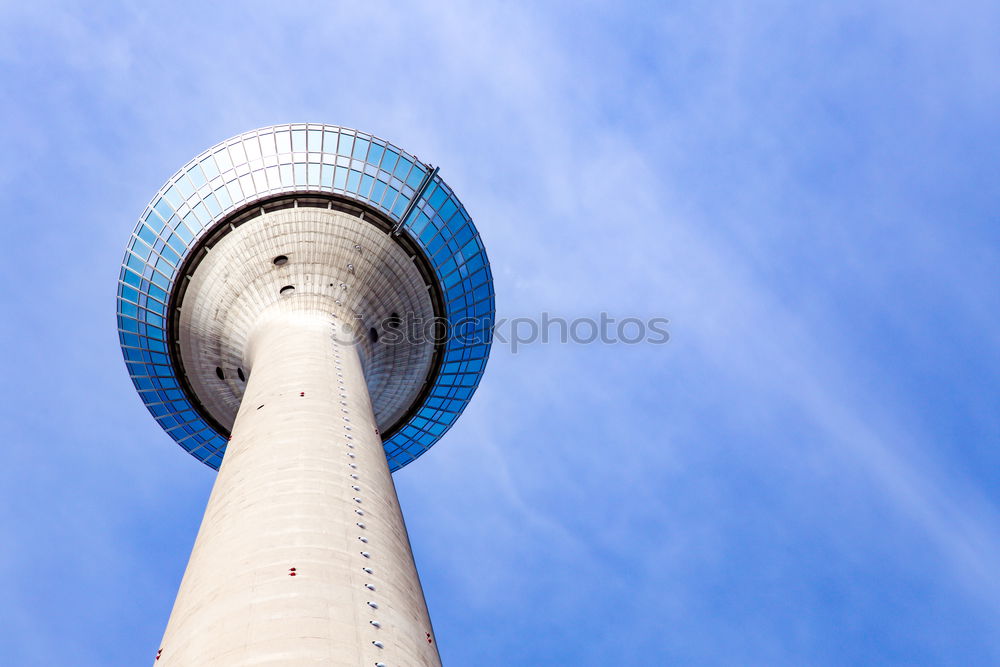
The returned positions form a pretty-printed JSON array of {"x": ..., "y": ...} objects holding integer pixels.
[{"x": 305, "y": 308}]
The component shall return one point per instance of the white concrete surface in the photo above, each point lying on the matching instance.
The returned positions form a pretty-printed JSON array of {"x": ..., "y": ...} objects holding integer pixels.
[
  {"x": 302, "y": 557},
  {"x": 336, "y": 263}
]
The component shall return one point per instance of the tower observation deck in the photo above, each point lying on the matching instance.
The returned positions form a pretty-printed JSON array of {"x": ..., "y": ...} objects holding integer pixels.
[{"x": 305, "y": 308}]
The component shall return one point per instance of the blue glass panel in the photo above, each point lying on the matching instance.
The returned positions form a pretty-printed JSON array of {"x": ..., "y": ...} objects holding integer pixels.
[
  {"x": 300, "y": 174},
  {"x": 447, "y": 210},
  {"x": 428, "y": 234},
  {"x": 196, "y": 176},
  {"x": 154, "y": 221},
  {"x": 366, "y": 185},
  {"x": 463, "y": 236},
  {"x": 315, "y": 140},
  {"x": 182, "y": 231},
  {"x": 340, "y": 178},
  {"x": 154, "y": 306},
  {"x": 446, "y": 269},
  {"x": 176, "y": 243},
  {"x": 435, "y": 243},
  {"x": 402, "y": 169},
  {"x": 416, "y": 175},
  {"x": 168, "y": 423},
  {"x": 131, "y": 278},
  {"x": 208, "y": 166},
  {"x": 454, "y": 292},
  {"x": 346, "y": 145},
  {"x": 353, "y": 180},
  {"x": 474, "y": 262},
  {"x": 437, "y": 197},
  {"x": 313, "y": 173},
  {"x": 400, "y": 205},
  {"x": 163, "y": 209},
  {"x": 223, "y": 194},
  {"x": 170, "y": 255},
  {"x": 135, "y": 263},
  {"x": 389, "y": 160},
  {"x": 147, "y": 235},
  {"x": 160, "y": 280},
  {"x": 184, "y": 186},
  {"x": 330, "y": 141},
  {"x": 389, "y": 197},
  {"x": 360, "y": 149},
  {"x": 173, "y": 197},
  {"x": 483, "y": 308},
  {"x": 213, "y": 205},
  {"x": 419, "y": 223},
  {"x": 481, "y": 292},
  {"x": 141, "y": 249},
  {"x": 127, "y": 324},
  {"x": 299, "y": 141},
  {"x": 448, "y": 250},
  {"x": 375, "y": 153}
]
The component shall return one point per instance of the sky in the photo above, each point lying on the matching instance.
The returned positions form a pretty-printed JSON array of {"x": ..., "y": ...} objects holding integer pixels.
[{"x": 807, "y": 473}]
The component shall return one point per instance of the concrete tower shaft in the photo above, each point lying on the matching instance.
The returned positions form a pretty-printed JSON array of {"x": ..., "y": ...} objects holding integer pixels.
[{"x": 302, "y": 557}]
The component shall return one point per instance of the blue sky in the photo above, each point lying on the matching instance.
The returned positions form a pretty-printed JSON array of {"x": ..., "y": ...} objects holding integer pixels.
[{"x": 806, "y": 474}]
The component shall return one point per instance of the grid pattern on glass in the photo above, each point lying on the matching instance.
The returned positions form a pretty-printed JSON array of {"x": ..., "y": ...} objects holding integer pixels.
[{"x": 285, "y": 159}]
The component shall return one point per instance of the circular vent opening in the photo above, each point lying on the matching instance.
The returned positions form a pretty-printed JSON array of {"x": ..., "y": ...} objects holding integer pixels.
[
  {"x": 280, "y": 260},
  {"x": 218, "y": 372},
  {"x": 286, "y": 290}
]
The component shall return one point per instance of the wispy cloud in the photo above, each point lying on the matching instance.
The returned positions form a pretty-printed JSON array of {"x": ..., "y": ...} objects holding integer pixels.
[{"x": 803, "y": 475}]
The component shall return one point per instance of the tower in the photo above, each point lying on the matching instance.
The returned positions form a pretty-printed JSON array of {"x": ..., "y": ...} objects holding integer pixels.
[{"x": 305, "y": 308}]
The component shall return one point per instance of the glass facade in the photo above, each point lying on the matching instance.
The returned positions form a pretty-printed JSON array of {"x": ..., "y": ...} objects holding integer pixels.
[{"x": 282, "y": 160}]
